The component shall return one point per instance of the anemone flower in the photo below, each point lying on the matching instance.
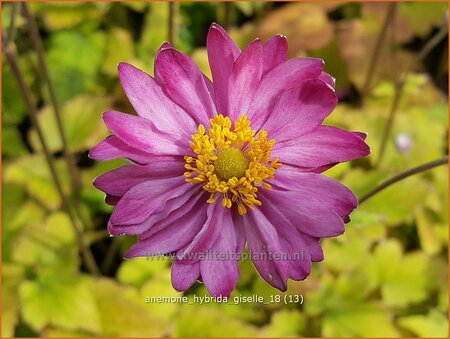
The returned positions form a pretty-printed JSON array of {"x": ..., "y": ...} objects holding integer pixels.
[{"x": 218, "y": 165}]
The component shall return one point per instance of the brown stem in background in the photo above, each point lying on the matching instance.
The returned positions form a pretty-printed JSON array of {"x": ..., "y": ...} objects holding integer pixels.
[
  {"x": 398, "y": 83},
  {"x": 401, "y": 176},
  {"x": 110, "y": 255},
  {"x": 173, "y": 22},
  {"x": 377, "y": 49},
  {"x": 432, "y": 43},
  {"x": 12, "y": 25},
  {"x": 39, "y": 47},
  {"x": 12, "y": 58}
]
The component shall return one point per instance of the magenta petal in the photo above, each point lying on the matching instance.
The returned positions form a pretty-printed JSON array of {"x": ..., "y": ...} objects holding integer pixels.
[
  {"x": 220, "y": 270},
  {"x": 118, "y": 181},
  {"x": 140, "y": 133},
  {"x": 175, "y": 208},
  {"x": 300, "y": 110},
  {"x": 279, "y": 79},
  {"x": 184, "y": 84},
  {"x": 323, "y": 146},
  {"x": 208, "y": 234},
  {"x": 275, "y": 52},
  {"x": 328, "y": 79},
  {"x": 306, "y": 213},
  {"x": 332, "y": 193},
  {"x": 113, "y": 148},
  {"x": 170, "y": 238},
  {"x": 184, "y": 274},
  {"x": 239, "y": 230},
  {"x": 314, "y": 248},
  {"x": 150, "y": 102},
  {"x": 147, "y": 198},
  {"x": 244, "y": 79},
  {"x": 222, "y": 52},
  {"x": 112, "y": 200},
  {"x": 263, "y": 242}
]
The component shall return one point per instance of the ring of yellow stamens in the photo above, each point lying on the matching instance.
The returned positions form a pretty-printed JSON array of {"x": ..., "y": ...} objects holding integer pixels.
[{"x": 231, "y": 163}]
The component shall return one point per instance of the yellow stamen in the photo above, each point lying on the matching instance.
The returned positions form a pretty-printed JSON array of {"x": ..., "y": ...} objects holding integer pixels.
[{"x": 231, "y": 163}]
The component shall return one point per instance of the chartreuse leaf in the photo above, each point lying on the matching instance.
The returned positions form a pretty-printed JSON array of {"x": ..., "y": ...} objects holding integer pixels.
[
  {"x": 38, "y": 182},
  {"x": 401, "y": 278},
  {"x": 74, "y": 59},
  {"x": 123, "y": 313},
  {"x": 365, "y": 320},
  {"x": 12, "y": 142},
  {"x": 66, "y": 15},
  {"x": 12, "y": 276},
  {"x": 139, "y": 271},
  {"x": 427, "y": 229},
  {"x": 119, "y": 48},
  {"x": 346, "y": 253},
  {"x": 207, "y": 320},
  {"x": 398, "y": 202},
  {"x": 432, "y": 325},
  {"x": 161, "y": 285},
  {"x": 285, "y": 323},
  {"x": 48, "y": 244},
  {"x": 59, "y": 300},
  {"x": 81, "y": 120},
  {"x": 423, "y": 17}
]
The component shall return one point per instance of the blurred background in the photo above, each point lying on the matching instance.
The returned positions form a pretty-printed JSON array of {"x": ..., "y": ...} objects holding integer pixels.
[{"x": 63, "y": 276}]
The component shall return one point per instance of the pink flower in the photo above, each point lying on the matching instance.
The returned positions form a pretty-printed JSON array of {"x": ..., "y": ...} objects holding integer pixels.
[{"x": 218, "y": 165}]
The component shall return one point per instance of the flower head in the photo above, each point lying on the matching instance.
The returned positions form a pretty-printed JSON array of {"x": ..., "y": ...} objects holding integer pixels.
[{"x": 218, "y": 165}]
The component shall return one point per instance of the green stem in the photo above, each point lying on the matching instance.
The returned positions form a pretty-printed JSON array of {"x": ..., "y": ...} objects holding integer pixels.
[
  {"x": 39, "y": 47},
  {"x": 12, "y": 25},
  {"x": 12, "y": 58},
  {"x": 401, "y": 176},
  {"x": 377, "y": 49}
]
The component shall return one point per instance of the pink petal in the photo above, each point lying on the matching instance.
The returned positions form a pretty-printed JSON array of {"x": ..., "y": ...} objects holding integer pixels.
[
  {"x": 113, "y": 148},
  {"x": 174, "y": 236},
  {"x": 208, "y": 234},
  {"x": 175, "y": 208},
  {"x": 222, "y": 52},
  {"x": 112, "y": 200},
  {"x": 323, "y": 146},
  {"x": 239, "y": 230},
  {"x": 220, "y": 270},
  {"x": 184, "y": 84},
  {"x": 300, "y": 110},
  {"x": 150, "y": 102},
  {"x": 263, "y": 242},
  {"x": 184, "y": 274},
  {"x": 140, "y": 133},
  {"x": 314, "y": 248},
  {"x": 275, "y": 52},
  {"x": 305, "y": 212},
  {"x": 118, "y": 181},
  {"x": 147, "y": 198},
  {"x": 332, "y": 193},
  {"x": 328, "y": 79},
  {"x": 244, "y": 79},
  {"x": 279, "y": 79},
  {"x": 294, "y": 248}
]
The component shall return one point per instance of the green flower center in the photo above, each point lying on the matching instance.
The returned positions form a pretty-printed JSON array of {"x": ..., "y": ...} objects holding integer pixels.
[{"x": 231, "y": 163}]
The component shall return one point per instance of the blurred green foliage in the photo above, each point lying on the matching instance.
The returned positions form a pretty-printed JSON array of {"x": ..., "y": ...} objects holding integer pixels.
[{"x": 386, "y": 276}]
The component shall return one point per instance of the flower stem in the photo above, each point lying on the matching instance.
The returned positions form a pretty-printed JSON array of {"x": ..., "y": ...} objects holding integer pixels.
[
  {"x": 37, "y": 42},
  {"x": 390, "y": 123},
  {"x": 377, "y": 49},
  {"x": 12, "y": 25},
  {"x": 432, "y": 43},
  {"x": 401, "y": 176},
  {"x": 12, "y": 58}
]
